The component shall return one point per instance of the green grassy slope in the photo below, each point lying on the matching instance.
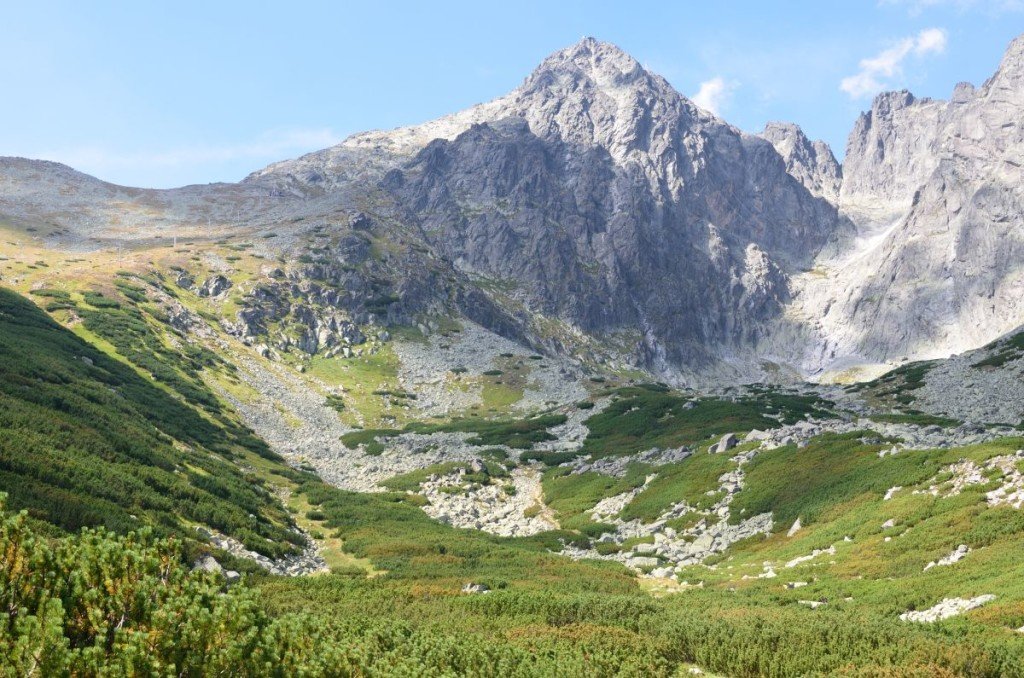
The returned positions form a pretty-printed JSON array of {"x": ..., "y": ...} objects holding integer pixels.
[{"x": 86, "y": 440}]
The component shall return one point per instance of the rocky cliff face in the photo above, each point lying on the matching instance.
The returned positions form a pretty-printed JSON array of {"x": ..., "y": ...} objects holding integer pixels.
[
  {"x": 889, "y": 155},
  {"x": 597, "y": 194},
  {"x": 937, "y": 193},
  {"x": 809, "y": 162}
]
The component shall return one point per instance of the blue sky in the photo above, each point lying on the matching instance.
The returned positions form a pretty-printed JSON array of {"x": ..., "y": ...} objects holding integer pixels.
[{"x": 164, "y": 94}]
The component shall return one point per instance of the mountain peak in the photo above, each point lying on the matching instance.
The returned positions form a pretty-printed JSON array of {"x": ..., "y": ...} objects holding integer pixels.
[
  {"x": 602, "y": 62},
  {"x": 809, "y": 162},
  {"x": 1010, "y": 74}
]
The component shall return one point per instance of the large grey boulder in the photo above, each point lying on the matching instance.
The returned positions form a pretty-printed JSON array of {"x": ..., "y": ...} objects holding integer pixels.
[
  {"x": 207, "y": 563},
  {"x": 725, "y": 443},
  {"x": 214, "y": 286}
]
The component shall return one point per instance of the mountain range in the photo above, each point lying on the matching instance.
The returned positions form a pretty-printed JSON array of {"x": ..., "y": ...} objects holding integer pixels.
[{"x": 597, "y": 214}]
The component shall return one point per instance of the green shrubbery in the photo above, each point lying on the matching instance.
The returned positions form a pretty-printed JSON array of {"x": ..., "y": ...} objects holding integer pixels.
[
  {"x": 100, "y": 604},
  {"x": 642, "y": 417},
  {"x": 515, "y": 433},
  {"x": 85, "y": 441},
  {"x": 916, "y": 418}
]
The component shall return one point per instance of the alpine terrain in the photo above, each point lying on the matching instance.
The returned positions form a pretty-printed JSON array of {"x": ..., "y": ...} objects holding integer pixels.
[{"x": 583, "y": 380}]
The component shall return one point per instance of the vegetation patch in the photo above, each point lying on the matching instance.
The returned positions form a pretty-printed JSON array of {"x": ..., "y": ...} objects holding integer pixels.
[
  {"x": 916, "y": 418},
  {"x": 689, "y": 480},
  {"x": 642, "y": 417},
  {"x": 410, "y": 482},
  {"x": 572, "y": 495},
  {"x": 832, "y": 469},
  {"x": 514, "y": 433}
]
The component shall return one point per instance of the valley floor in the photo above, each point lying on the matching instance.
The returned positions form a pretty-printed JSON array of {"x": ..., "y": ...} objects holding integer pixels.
[{"x": 439, "y": 500}]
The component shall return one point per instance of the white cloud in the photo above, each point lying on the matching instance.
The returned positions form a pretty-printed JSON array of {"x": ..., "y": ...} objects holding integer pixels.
[
  {"x": 713, "y": 94},
  {"x": 878, "y": 71},
  {"x": 271, "y": 145},
  {"x": 930, "y": 41}
]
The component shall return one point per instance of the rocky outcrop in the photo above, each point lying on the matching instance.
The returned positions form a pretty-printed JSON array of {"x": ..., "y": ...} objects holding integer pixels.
[
  {"x": 809, "y": 162},
  {"x": 948, "y": 607},
  {"x": 214, "y": 286},
  {"x": 955, "y": 556}
]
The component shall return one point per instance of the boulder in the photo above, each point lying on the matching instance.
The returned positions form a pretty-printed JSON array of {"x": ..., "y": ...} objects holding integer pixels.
[
  {"x": 795, "y": 528},
  {"x": 184, "y": 280},
  {"x": 214, "y": 286},
  {"x": 360, "y": 222},
  {"x": 640, "y": 562},
  {"x": 207, "y": 563},
  {"x": 726, "y": 443}
]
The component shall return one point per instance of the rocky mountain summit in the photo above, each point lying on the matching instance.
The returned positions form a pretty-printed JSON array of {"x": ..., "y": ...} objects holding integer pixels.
[
  {"x": 596, "y": 213},
  {"x": 597, "y": 194},
  {"x": 810, "y": 162}
]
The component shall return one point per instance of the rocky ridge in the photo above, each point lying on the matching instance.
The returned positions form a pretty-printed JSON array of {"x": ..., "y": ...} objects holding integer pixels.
[
  {"x": 934, "y": 191},
  {"x": 596, "y": 213}
]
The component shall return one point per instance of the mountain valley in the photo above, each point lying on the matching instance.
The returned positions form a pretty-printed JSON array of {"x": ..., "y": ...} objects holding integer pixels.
[{"x": 583, "y": 381}]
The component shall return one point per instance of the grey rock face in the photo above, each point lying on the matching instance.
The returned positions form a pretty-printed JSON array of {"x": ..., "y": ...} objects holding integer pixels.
[
  {"x": 607, "y": 199},
  {"x": 936, "y": 189},
  {"x": 888, "y": 154},
  {"x": 810, "y": 163}
]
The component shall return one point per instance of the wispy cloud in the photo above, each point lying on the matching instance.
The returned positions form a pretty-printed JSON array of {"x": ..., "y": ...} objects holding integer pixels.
[
  {"x": 877, "y": 72},
  {"x": 271, "y": 145},
  {"x": 714, "y": 94}
]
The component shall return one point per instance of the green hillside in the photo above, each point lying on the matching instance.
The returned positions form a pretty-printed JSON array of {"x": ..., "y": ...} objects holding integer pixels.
[{"x": 86, "y": 440}]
